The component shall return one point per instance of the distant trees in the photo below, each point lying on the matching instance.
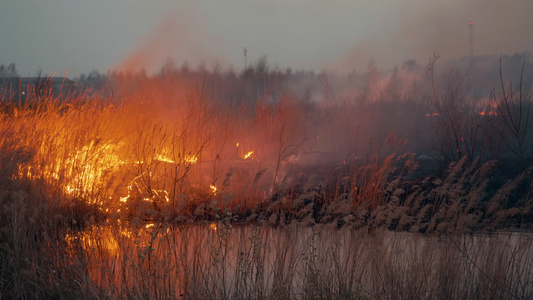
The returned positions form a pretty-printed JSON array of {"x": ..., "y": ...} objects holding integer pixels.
[
  {"x": 456, "y": 102},
  {"x": 468, "y": 128},
  {"x": 8, "y": 71}
]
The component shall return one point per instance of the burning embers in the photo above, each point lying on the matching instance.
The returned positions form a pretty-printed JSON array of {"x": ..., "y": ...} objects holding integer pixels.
[{"x": 245, "y": 155}]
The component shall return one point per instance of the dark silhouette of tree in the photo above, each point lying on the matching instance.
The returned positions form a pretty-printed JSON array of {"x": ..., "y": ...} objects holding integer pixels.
[
  {"x": 513, "y": 106},
  {"x": 8, "y": 72}
]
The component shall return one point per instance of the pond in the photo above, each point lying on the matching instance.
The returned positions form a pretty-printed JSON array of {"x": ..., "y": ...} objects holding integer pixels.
[{"x": 220, "y": 261}]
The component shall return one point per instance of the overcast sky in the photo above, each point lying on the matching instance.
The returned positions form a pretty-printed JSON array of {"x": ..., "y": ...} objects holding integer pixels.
[{"x": 303, "y": 34}]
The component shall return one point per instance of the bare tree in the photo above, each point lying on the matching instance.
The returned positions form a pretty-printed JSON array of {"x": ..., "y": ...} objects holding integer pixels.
[
  {"x": 459, "y": 127},
  {"x": 284, "y": 132},
  {"x": 513, "y": 106}
]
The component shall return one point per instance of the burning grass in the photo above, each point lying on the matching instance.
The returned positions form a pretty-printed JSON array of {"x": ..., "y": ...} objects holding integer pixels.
[
  {"x": 90, "y": 188},
  {"x": 167, "y": 153}
]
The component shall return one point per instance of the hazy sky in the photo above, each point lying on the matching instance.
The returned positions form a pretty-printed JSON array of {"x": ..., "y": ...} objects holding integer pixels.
[{"x": 303, "y": 34}]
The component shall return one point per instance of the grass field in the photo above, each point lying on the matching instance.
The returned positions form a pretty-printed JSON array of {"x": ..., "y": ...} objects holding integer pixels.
[{"x": 163, "y": 194}]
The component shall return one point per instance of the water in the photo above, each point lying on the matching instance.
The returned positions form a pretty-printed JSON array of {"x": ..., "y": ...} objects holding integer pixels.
[{"x": 221, "y": 261}]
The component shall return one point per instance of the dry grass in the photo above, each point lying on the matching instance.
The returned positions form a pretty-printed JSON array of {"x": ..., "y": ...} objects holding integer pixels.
[
  {"x": 81, "y": 179},
  {"x": 247, "y": 262},
  {"x": 183, "y": 158}
]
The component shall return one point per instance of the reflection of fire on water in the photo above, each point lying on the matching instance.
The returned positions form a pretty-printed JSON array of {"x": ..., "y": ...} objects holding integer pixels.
[
  {"x": 110, "y": 239},
  {"x": 94, "y": 238}
]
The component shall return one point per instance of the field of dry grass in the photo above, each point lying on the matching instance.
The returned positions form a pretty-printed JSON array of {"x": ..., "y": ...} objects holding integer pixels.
[{"x": 146, "y": 198}]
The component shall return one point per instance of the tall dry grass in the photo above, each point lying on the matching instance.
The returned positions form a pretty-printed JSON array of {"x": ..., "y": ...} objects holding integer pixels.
[
  {"x": 72, "y": 169},
  {"x": 165, "y": 154},
  {"x": 294, "y": 262},
  {"x": 149, "y": 153}
]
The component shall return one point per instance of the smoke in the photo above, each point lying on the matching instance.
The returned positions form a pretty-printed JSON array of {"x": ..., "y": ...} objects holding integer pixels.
[
  {"x": 356, "y": 113},
  {"x": 418, "y": 30},
  {"x": 358, "y": 32},
  {"x": 180, "y": 37}
]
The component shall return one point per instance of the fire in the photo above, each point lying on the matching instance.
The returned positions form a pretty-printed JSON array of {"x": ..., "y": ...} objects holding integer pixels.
[
  {"x": 191, "y": 159},
  {"x": 81, "y": 173},
  {"x": 114, "y": 156},
  {"x": 213, "y": 226},
  {"x": 489, "y": 113},
  {"x": 134, "y": 191},
  {"x": 161, "y": 194},
  {"x": 213, "y": 189},
  {"x": 247, "y": 155},
  {"x": 164, "y": 158}
]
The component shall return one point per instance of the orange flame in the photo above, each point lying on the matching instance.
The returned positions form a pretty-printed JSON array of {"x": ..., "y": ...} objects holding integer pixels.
[
  {"x": 164, "y": 158},
  {"x": 213, "y": 189},
  {"x": 247, "y": 155},
  {"x": 191, "y": 159}
]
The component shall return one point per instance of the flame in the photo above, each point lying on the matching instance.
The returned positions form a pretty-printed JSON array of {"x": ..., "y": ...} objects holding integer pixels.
[
  {"x": 155, "y": 193},
  {"x": 164, "y": 158},
  {"x": 213, "y": 226},
  {"x": 247, "y": 155},
  {"x": 81, "y": 173},
  {"x": 126, "y": 232},
  {"x": 213, "y": 189},
  {"x": 191, "y": 159},
  {"x": 489, "y": 113}
]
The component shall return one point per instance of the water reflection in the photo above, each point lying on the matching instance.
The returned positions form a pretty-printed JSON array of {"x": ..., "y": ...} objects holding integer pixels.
[{"x": 220, "y": 261}]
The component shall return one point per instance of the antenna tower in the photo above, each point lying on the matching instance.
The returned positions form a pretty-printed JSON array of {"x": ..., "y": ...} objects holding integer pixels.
[
  {"x": 471, "y": 38},
  {"x": 245, "y": 62}
]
